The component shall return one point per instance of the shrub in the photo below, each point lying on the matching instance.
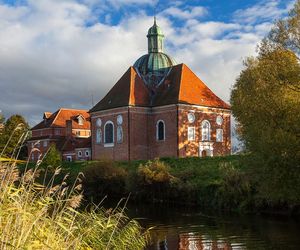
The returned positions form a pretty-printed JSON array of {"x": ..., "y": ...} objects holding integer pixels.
[{"x": 104, "y": 178}]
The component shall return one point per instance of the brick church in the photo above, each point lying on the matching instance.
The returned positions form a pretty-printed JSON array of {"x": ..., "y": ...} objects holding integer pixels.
[{"x": 159, "y": 108}]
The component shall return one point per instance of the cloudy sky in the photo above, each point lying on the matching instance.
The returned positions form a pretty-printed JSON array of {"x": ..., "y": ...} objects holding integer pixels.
[{"x": 64, "y": 53}]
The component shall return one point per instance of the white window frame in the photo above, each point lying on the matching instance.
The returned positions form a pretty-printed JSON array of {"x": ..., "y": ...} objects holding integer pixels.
[
  {"x": 219, "y": 130},
  {"x": 191, "y": 132},
  {"x": 98, "y": 136},
  {"x": 113, "y": 135},
  {"x": 80, "y": 120},
  {"x": 202, "y": 131},
  {"x": 119, "y": 140},
  {"x": 87, "y": 153},
  {"x": 69, "y": 158},
  {"x": 79, "y": 153},
  {"x": 157, "y": 130},
  {"x": 45, "y": 144}
]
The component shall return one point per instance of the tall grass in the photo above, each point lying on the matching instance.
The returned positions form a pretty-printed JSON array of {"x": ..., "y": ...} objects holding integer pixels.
[{"x": 44, "y": 216}]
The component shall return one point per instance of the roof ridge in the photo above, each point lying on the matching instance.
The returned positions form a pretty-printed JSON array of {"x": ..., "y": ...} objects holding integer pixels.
[
  {"x": 58, "y": 111},
  {"x": 180, "y": 81}
]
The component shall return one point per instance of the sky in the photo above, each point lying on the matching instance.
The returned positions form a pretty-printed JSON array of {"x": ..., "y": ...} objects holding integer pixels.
[{"x": 69, "y": 53}]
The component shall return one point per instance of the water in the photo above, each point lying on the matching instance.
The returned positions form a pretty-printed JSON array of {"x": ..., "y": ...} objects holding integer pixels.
[{"x": 193, "y": 229}]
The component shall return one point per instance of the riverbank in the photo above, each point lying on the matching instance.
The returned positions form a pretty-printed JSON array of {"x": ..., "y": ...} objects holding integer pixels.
[{"x": 220, "y": 183}]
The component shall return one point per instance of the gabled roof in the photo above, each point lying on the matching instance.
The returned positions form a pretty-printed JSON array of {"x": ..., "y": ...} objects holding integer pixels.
[
  {"x": 58, "y": 119},
  {"x": 129, "y": 90},
  {"x": 184, "y": 87},
  {"x": 181, "y": 86}
]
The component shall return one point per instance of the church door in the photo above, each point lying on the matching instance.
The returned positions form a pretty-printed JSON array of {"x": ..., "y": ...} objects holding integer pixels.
[{"x": 204, "y": 153}]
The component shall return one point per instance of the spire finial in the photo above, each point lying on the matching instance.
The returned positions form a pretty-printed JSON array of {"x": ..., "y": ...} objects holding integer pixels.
[{"x": 154, "y": 20}]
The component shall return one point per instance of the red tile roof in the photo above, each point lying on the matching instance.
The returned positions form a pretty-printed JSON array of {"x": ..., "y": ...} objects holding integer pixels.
[
  {"x": 59, "y": 118},
  {"x": 129, "y": 90},
  {"x": 181, "y": 86}
]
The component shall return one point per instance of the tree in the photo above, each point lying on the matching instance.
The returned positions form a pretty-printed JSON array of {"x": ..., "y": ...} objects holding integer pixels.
[
  {"x": 13, "y": 137},
  {"x": 52, "y": 158},
  {"x": 266, "y": 102}
]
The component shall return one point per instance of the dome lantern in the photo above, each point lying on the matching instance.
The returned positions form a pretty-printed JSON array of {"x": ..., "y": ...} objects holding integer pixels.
[
  {"x": 155, "y": 39},
  {"x": 156, "y": 65}
]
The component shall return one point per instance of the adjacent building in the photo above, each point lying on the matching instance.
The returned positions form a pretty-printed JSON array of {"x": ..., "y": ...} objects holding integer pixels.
[
  {"x": 68, "y": 129},
  {"x": 159, "y": 108}
]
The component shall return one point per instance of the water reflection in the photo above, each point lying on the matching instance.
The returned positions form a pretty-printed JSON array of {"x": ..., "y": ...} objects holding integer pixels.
[{"x": 184, "y": 229}]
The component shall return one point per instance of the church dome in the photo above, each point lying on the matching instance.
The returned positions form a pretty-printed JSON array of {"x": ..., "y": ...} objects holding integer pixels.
[{"x": 154, "y": 66}]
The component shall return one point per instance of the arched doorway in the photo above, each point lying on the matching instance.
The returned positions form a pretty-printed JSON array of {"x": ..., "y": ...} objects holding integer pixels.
[{"x": 204, "y": 153}]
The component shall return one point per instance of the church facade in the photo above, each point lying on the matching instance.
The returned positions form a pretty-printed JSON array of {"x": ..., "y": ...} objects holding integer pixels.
[{"x": 159, "y": 108}]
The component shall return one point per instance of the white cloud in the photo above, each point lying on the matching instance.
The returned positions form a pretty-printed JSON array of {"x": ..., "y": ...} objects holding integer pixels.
[
  {"x": 190, "y": 12},
  {"x": 263, "y": 11}
]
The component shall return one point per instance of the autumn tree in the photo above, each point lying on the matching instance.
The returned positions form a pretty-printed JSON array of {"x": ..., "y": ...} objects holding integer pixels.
[{"x": 266, "y": 103}]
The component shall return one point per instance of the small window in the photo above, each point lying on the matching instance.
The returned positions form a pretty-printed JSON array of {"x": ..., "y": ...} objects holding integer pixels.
[
  {"x": 80, "y": 120},
  {"x": 109, "y": 132},
  {"x": 205, "y": 130},
  {"x": 79, "y": 153},
  {"x": 87, "y": 153},
  {"x": 45, "y": 144},
  {"x": 219, "y": 135},
  {"x": 98, "y": 136},
  {"x": 191, "y": 133},
  {"x": 119, "y": 134},
  {"x": 160, "y": 130},
  {"x": 69, "y": 158}
]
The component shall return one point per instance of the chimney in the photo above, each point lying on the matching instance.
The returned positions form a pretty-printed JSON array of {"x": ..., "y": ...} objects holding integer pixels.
[{"x": 69, "y": 128}]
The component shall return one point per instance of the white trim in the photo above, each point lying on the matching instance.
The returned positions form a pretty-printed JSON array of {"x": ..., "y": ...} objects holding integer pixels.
[
  {"x": 208, "y": 146},
  {"x": 79, "y": 152},
  {"x": 200, "y": 106},
  {"x": 113, "y": 133},
  {"x": 194, "y": 133},
  {"x": 220, "y": 131},
  {"x": 157, "y": 130},
  {"x": 109, "y": 145},
  {"x": 69, "y": 154},
  {"x": 209, "y": 130}
]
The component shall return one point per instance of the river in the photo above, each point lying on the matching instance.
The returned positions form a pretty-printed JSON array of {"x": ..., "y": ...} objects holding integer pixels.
[{"x": 195, "y": 229}]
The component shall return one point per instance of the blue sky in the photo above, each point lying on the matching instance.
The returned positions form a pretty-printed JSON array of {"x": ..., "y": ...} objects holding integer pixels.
[{"x": 60, "y": 53}]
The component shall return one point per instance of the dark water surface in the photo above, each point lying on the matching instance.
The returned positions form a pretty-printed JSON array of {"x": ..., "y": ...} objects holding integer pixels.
[{"x": 193, "y": 229}]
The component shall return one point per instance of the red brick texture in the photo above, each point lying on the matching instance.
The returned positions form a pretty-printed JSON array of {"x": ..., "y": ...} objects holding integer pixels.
[{"x": 139, "y": 132}]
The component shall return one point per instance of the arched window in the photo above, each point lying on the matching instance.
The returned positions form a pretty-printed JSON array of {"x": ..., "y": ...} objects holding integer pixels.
[
  {"x": 205, "y": 130},
  {"x": 79, "y": 153},
  {"x": 98, "y": 136},
  {"x": 109, "y": 132},
  {"x": 160, "y": 130}
]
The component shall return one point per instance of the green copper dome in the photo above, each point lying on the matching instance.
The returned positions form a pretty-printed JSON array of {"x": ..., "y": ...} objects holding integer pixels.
[{"x": 154, "y": 66}]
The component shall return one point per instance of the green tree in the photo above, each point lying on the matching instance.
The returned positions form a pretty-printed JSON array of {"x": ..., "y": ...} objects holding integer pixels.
[
  {"x": 266, "y": 103},
  {"x": 13, "y": 137},
  {"x": 53, "y": 158}
]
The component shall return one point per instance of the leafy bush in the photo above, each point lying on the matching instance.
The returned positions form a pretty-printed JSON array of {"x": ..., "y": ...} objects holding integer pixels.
[{"x": 104, "y": 178}]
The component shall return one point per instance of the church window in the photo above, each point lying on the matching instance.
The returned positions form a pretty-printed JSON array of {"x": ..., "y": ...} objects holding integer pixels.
[
  {"x": 79, "y": 153},
  {"x": 87, "y": 153},
  {"x": 191, "y": 133},
  {"x": 98, "y": 136},
  {"x": 119, "y": 134},
  {"x": 219, "y": 135},
  {"x": 160, "y": 130},
  {"x": 205, "y": 131},
  {"x": 109, "y": 132},
  {"x": 45, "y": 144}
]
